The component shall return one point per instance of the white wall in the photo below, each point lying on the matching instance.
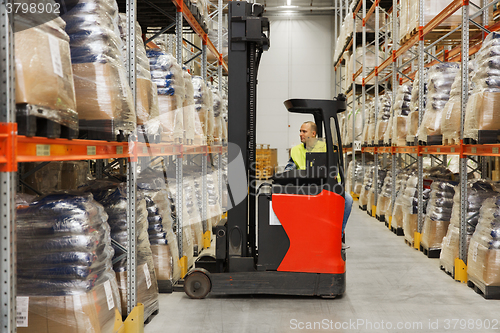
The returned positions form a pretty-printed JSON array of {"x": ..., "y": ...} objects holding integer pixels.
[{"x": 297, "y": 65}]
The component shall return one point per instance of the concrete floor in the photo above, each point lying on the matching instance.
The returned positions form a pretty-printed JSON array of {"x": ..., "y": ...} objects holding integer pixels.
[{"x": 389, "y": 286}]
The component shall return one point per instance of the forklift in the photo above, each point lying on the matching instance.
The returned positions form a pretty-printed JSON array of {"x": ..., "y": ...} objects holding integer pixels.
[{"x": 284, "y": 237}]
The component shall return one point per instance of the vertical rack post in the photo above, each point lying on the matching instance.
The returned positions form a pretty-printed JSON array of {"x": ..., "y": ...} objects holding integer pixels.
[
  {"x": 335, "y": 23},
  {"x": 178, "y": 35},
  {"x": 131, "y": 168},
  {"x": 7, "y": 178},
  {"x": 220, "y": 10},
  {"x": 420, "y": 166},
  {"x": 353, "y": 152},
  {"x": 205, "y": 155},
  {"x": 204, "y": 61},
  {"x": 461, "y": 261},
  {"x": 394, "y": 88}
]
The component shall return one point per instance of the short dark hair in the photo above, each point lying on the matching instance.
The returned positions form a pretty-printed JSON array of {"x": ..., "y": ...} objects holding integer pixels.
[{"x": 313, "y": 126}]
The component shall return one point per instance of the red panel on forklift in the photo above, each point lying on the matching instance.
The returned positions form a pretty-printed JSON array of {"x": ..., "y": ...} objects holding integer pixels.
[{"x": 313, "y": 224}]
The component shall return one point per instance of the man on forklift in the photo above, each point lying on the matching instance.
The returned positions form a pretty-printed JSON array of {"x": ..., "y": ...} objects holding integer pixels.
[{"x": 310, "y": 143}]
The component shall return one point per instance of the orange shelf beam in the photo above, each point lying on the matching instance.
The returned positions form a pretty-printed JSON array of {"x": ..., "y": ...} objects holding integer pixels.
[
  {"x": 188, "y": 16},
  {"x": 37, "y": 149},
  {"x": 482, "y": 150}
]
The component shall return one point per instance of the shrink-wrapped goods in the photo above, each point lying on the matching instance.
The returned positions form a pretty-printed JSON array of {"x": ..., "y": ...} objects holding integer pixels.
[
  {"x": 73, "y": 174},
  {"x": 113, "y": 196},
  {"x": 44, "y": 77},
  {"x": 217, "y": 109},
  {"x": 103, "y": 97},
  {"x": 369, "y": 57},
  {"x": 482, "y": 113},
  {"x": 452, "y": 113},
  {"x": 438, "y": 214},
  {"x": 410, "y": 207},
  {"x": 344, "y": 35},
  {"x": 385, "y": 195},
  {"x": 357, "y": 168},
  {"x": 168, "y": 76},
  {"x": 201, "y": 105},
  {"x": 439, "y": 82},
  {"x": 369, "y": 126},
  {"x": 45, "y": 180},
  {"x": 384, "y": 115},
  {"x": 191, "y": 205},
  {"x": 370, "y": 206},
  {"x": 396, "y": 210},
  {"x": 147, "y": 97},
  {"x": 367, "y": 184},
  {"x": 483, "y": 257},
  {"x": 400, "y": 115},
  {"x": 412, "y": 121},
  {"x": 188, "y": 110},
  {"x": 477, "y": 192},
  {"x": 63, "y": 260},
  {"x": 358, "y": 126}
]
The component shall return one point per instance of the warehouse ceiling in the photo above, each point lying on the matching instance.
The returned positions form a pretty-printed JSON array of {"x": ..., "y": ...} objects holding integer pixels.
[{"x": 288, "y": 7}]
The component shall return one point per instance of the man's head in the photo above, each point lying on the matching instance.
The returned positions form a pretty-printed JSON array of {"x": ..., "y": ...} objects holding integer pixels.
[{"x": 308, "y": 130}]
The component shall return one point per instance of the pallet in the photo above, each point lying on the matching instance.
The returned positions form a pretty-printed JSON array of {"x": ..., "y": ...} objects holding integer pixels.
[
  {"x": 397, "y": 231},
  {"x": 362, "y": 207},
  {"x": 488, "y": 292},
  {"x": 451, "y": 141},
  {"x": 101, "y": 130},
  {"x": 387, "y": 224},
  {"x": 165, "y": 286},
  {"x": 484, "y": 137},
  {"x": 430, "y": 253},
  {"x": 410, "y": 244},
  {"x": 148, "y": 319},
  {"x": 434, "y": 140},
  {"x": 381, "y": 218},
  {"x": 409, "y": 35},
  {"x": 452, "y": 274},
  {"x": 30, "y": 124}
]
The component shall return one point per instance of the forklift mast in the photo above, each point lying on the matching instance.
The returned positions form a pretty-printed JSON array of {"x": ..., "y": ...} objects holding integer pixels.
[{"x": 248, "y": 39}]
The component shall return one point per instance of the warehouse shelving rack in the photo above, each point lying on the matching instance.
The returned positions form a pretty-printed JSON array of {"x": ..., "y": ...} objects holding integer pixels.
[
  {"x": 393, "y": 69},
  {"x": 16, "y": 148}
]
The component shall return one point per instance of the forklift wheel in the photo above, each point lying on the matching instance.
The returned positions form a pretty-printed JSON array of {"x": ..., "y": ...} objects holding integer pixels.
[{"x": 197, "y": 284}]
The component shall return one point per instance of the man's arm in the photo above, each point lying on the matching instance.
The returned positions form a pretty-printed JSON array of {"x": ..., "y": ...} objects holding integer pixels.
[{"x": 290, "y": 165}]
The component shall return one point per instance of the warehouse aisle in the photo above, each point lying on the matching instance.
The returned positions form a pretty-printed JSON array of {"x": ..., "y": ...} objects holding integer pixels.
[{"x": 389, "y": 286}]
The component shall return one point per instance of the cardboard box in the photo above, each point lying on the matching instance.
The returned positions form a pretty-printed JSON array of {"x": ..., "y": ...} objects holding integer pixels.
[
  {"x": 483, "y": 264},
  {"x": 162, "y": 259},
  {"x": 433, "y": 233},
  {"x": 43, "y": 70},
  {"x": 102, "y": 92},
  {"x": 73, "y": 174},
  {"x": 84, "y": 313},
  {"x": 145, "y": 100}
]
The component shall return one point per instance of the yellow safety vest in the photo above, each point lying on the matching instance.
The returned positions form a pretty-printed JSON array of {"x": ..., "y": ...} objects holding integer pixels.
[{"x": 298, "y": 155}]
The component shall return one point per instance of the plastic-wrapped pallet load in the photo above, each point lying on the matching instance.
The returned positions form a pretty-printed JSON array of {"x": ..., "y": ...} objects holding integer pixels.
[
  {"x": 147, "y": 96},
  {"x": 188, "y": 110},
  {"x": 344, "y": 35},
  {"x": 439, "y": 81},
  {"x": 483, "y": 258},
  {"x": 369, "y": 128},
  {"x": 358, "y": 126},
  {"x": 210, "y": 116},
  {"x": 438, "y": 215},
  {"x": 395, "y": 211},
  {"x": 412, "y": 121},
  {"x": 74, "y": 174},
  {"x": 478, "y": 190},
  {"x": 45, "y": 180},
  {"x": 192, "y": 212},
  {"x": 482, "y": 117},
  {"x": 369, "y": 54},
  {"x": 357, "y": 168},
  {"x": 367, "y": 184},
  {"x": 401, "y": 111},
  {"x": 201, "y": 101},
  {"x": 168, "y": 76},
  {"x": 44, "y": 78},
  {"x": 103, "y": 97},
  {"x": 410, "y": 207},
  {"x": 114, "y": 199},
  {"x": 384, "y": 115},
  {"x": 163, "y": 241},
  {"x": 217, "y": 109},
  {"x": 65, "y": 281},
  {"x": 452, "y": 113},
  {"x": 384, "y": 197},
  {"x": 370, "y": 206}
]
